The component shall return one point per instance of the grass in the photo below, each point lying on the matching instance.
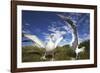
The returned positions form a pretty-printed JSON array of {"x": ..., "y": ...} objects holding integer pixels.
[{"x": 34, "y": 54}]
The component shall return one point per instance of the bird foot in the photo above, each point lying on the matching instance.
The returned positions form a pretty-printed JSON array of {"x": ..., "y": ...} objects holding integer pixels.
[
  {"x": 73, "y": 58},
  {"x": 52, "y": 59},
  {"x": 43, "y": 58}
]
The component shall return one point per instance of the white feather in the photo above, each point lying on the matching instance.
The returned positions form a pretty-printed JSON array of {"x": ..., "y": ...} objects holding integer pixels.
[
  {"x": 78, "y": 50},
  {"x": 58, "y": 41},
  {"x": 35, "y": 39},
  {"x": 48, "y": 47}
]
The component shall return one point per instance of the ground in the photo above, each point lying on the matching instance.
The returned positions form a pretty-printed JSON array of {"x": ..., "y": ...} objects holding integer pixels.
[{"x": 34, "y": 54}]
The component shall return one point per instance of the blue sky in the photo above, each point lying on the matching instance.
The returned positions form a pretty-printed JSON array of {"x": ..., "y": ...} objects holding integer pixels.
[{"x": 42, "y": 24}]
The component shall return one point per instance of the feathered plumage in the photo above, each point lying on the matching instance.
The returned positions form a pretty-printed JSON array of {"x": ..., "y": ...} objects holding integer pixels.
[
  {"x": 49, "y": 46},
  {"x": 74, "y": 42}
]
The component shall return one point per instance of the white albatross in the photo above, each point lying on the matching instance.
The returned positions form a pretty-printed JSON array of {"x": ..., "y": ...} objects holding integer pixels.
[
  {"x": 78, "y": 50},
  {"x": 49, "y": 46}
]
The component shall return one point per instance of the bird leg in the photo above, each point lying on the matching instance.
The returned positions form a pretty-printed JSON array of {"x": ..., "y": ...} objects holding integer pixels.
[
  {"x": 52, "y": 59},
  {"x": 44, "y": 56},
  {"x": 48, "y": 55},
  {"x": 76, "y": 56}
]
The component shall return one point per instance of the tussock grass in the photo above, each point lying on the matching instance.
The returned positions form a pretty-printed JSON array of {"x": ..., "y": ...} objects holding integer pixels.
[{"x": 34, "y": 54}]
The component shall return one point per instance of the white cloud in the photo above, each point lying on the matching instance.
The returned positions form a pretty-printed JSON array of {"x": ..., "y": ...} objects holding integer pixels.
[
  {"x": 52, "y": 29},
  {"x": 63, "y": 32},
  {"x": 27, "y": 24},
  {"x": 57, "y": 32},
  {"x": 68, "y": 29},
  {"x": 25, "y": 31}
]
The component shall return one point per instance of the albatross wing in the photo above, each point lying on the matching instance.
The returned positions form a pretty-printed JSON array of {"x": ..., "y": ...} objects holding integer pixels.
[
  {"x": 35, "y": 39},
  {"x": 58, "y": 41}
]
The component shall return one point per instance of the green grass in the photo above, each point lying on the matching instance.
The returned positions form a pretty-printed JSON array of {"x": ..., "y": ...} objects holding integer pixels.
[
  {"x": 31, "y": 54},
  {"x": 34, "y": 54}
]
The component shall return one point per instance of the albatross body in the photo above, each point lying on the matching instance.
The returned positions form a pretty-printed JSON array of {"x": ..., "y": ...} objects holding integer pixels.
[{"x": 49, "y": 46}]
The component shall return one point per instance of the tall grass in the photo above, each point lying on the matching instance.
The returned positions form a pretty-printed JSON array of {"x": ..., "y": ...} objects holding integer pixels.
[{"x": 34, "y": 54}]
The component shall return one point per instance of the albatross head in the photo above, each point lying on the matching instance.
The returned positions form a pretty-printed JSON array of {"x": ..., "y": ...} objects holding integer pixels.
[{"x": 51, "y": 37}]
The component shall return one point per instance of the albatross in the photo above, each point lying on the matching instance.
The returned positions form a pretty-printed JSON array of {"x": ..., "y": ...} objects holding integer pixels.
[
  {"x": 49, "y": 46},
  {"x": 74, "y": 42}
]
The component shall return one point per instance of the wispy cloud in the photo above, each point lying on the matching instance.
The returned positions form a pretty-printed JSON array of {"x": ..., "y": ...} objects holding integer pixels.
[
  {"x": 27, "y": 24},
  {"x": 26, "y": 31},
  {"x": 67, "y": 28},
  {"x": 57, "y": 33}
]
